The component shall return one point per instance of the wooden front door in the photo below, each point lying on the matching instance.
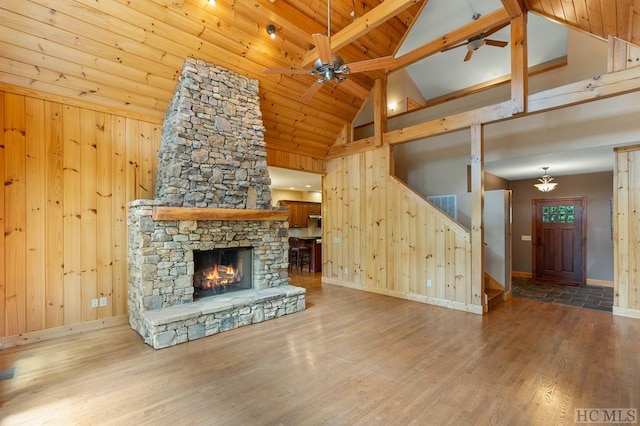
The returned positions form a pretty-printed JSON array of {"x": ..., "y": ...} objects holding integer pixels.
[{"x": 558, "y": 243}]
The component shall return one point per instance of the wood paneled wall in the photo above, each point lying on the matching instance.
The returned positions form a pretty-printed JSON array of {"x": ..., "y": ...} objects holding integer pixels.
[
  {"x": 68, "y": 174},
  {"x": 626, "y": 244},
  {"x": 380, "y": 236},
  {"x": 295, "y": 161}
]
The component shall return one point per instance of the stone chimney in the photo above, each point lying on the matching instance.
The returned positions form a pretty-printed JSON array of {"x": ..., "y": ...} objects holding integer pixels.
[{"x": 212, "y": 152}]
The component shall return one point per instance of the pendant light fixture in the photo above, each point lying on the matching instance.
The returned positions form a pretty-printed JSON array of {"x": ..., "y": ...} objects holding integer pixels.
[{"x": 546, "y": 182}]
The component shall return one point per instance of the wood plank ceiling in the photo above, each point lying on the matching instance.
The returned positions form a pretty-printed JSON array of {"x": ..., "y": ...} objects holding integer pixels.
[
  {"x": 620, "y": 18},
  {"x": 125, "y": 55}
]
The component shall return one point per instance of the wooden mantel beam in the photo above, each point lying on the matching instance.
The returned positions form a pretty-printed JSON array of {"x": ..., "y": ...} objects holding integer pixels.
[
  {"x": 463, "y": 33},
  {"x": 361, "y": 26},
  {"x": 200, "y": 213}
]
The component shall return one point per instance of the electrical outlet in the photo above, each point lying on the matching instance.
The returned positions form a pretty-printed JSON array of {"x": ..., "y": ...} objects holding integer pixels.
[
  {"x": 346, "y": 271},
  {"x": 337, "y": 240},
  {"x": 94, "y": 303},
  {"x": 103, "y": 302},
  {"x": 428, "y": 283}
]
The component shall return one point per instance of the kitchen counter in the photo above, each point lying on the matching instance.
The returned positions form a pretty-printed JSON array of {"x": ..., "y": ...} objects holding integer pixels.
[{"x": 315, "y": 245}]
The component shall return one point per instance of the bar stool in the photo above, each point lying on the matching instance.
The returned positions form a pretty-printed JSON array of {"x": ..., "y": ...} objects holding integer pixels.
[{"x": 299, "y": 256}]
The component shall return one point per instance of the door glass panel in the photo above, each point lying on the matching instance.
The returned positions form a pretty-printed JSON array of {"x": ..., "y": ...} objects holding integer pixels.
[{"x": 558, "y": 214}]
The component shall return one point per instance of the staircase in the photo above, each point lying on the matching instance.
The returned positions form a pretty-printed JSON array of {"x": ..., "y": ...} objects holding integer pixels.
[{"x": 493, "y": 291}]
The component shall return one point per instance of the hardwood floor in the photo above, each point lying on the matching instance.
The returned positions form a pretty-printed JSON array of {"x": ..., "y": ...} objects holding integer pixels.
[{"x": 350, "y": 358}]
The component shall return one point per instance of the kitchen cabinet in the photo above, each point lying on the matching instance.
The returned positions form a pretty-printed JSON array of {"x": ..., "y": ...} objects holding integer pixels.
[
  {"x": 315, "y": 208},
  {"x": 299, "y": 212}
]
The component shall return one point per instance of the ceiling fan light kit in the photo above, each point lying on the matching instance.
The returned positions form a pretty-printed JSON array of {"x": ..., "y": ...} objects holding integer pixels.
[
  {"x": 330, "y": 70},
  {"x": 476, "y": 42},
  {"x": 331, "y": 67}
]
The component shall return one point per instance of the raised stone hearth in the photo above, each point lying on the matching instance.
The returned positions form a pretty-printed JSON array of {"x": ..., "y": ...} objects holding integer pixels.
[{"x": 212, "y": 193}]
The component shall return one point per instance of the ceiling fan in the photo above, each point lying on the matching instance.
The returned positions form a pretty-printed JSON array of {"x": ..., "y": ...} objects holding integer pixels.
[
  {"x": 332, "y": 68},
  {"x": 480, "y": 40}
]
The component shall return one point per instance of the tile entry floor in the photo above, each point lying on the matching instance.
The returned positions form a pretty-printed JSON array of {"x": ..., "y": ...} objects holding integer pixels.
[{"x": 588, "y": 296}]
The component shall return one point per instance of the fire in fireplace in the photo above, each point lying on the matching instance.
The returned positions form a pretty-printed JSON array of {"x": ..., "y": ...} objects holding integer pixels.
[{"x": 222, "y": 270}]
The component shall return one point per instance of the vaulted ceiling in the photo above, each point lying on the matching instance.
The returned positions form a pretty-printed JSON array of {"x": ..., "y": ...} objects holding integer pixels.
[{"x": 125, "y": 55}]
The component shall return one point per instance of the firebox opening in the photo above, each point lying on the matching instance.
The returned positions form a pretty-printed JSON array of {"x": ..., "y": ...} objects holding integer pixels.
[{"x": 222, "y": 270}]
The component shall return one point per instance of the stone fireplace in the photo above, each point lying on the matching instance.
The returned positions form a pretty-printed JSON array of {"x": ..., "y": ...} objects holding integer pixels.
[{"x": 209, "y": 253}]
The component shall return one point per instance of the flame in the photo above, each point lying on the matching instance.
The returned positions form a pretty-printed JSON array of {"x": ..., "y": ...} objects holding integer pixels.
[
  {"x": 218, "y": 275},
  {"x": 213, "y": 275}
]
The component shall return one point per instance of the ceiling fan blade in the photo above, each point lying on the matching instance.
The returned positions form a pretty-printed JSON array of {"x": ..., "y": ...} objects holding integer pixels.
[
  {"x": 323, "y": 44},
  {"x": 355, "y": 89},
  {"x": 496, "y": 29},
  {"x": 496, "y": 43},
  {"x": 310, "y": 91},
  {"x": 468, "y": 55},
  {"x": 285, "y": 71},
  {"x": 371, "y": 64}
]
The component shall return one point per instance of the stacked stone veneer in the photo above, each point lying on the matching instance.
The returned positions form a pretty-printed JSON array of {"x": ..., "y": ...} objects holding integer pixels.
[
  {"x": 212, "y": 151},
  {"x": 212, "y": 155}
]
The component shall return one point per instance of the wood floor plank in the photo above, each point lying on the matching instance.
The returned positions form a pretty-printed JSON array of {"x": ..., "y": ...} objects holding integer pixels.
[{"x": 350, "y": 358}]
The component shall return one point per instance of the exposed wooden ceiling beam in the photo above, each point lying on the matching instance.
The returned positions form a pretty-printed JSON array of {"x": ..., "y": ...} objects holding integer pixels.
[
  {"x": 514, "y": 7},
  {"x": 599, "y": 87},
  {"x": 361, "y": 26},
  {"x": 519, "y": 64},
  {"x": 451, "y": 123},
  {"x": 463, "y": 33}
]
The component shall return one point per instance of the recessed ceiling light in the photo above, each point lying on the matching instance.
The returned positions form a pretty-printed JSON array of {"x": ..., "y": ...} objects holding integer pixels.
[
  {"x": 292, "y": 187},
  {"x": 307, "y": 186},
  {"x": 271, "y": 30}
]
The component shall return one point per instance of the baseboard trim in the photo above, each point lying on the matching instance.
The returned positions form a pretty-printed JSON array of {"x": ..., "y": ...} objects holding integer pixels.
[
  {"x": 626, "y": 312},
  {"x": 601, "y": 283},
  {"x": 62, "y": 331},
  {"x": 451, "y": 304},
  {"x": 524, "y": 275}
]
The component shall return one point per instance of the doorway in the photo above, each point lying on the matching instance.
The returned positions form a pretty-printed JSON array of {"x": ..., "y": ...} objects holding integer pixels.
[{"x": 559, "y": 247}]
